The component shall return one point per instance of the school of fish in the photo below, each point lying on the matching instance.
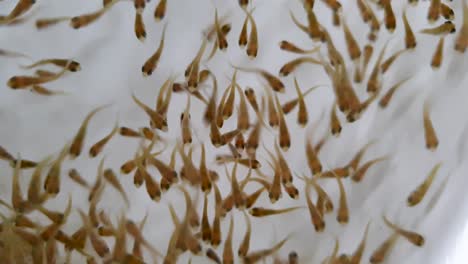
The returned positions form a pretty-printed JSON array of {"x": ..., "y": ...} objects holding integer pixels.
[{"x": 243, "y": 157}]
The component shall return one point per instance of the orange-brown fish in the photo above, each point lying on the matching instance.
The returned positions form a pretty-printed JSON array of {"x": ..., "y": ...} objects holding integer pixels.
[
  {"x": 373, "y": 83},
  {"x": 447, "y": 27},
  {"x": 243, "y": 120},
  {"x": 215, "y": 135},
  {"x": 354, "y": 50},
  {"x": 284, "y": 139},
  {"x": 34, "y": 189},
  {"x": 229, "y": 136},
  {"x": 366, "y": 56},
  {"x": 228, "y": 254},
  {"x": 129, "y": 132},
  {"x": 135, "y": 232},
  {"x": 211, "y": 254},
  {"x": 379, "y": 254},
  {"x": 374, "y": 22},
  {"x": 357, "y": 255},
  {"x": 97, "y": 187},
  {"x": 243, "y": 38},
  {"x": 5, "y": 155},
  {"x": 274, "y": 189},
  {"x": 315, "y": 216},
  {"x": 336, "y": 19},
  {"x": 313, "y": 160},
  {"x": 432, "y": 141},
  {"x": 210, "y": 32},
  {"x": 97, "y": 147},
  {"x": 413, "y": 237},
  {"x": 252, "y": 142},
  {"x": 389, "y": 17},
  {"x": 42, "y": 73},
  {"x": 162, "y": 105},
  {"x": 99, "y": 245},
  {"x": 157, "y": 121},
  {"x": 354, "y": 163},
  {"x": 228, "y": 107},
  {"x": 314, "y": 27},
  {"x": 69, "y": 64},
  {"x": 263, "y": 212},
  {"x": 461, "y": 40},
  {"x": 252, "y": 43},
  {"x": 41, "y": 90},
  {"x": 152, "y": 63},
  {"x": 192, "y": 71},
  {"x": 139, "y": 27},
  {"x": 364, "y": 10},
  {"x": 292, "y": 65},
  {"x": 274, "y": 82},
  {"x": 250, "y": 94},
  {"x": 433, "y": 13},
  {"x": 81, "y": 21},
  {"x": 360, "y": 172},
  {"x": 302, "y": 114},
  {"x": 219, "y": 111},
  {"x": 21, "y": 7},
  {"x": 385, "y": 100},
  {"x": 17, "y": 200},
  {"x": 160, "y": 10},
  {"x": 302, "y": 27},
  {"x": 239, "y": 142},
  {"x": 185, "y": 124},
  {"x": 273, "y": 118},
  {"x": 446, "y": 11},
  {"x": 243, "y": 3},
  {"x": 335, "y": 125},
  {"x": 289, "y": 46},
  {"x": 335, "y": 56},
  {"x": 22, "y": 81},
  {"x": 257, "y": 256},
  {"x": 343, "y": 211},
  {"x": 410, "y": 39},
  {"x": 139, "y": 5},
  {"x": 12, "y": 54},
  {"x": 324, "y": 202},
  {"x": 52, "y": 181},
  {"x": 111, "y": 178},
  {"x": 418, "y": 194},
  {"x": 210, "y": 110},
  {"x": 205, "y": 224},
  {"x": 220, "y": 37},
  {"x": 388, "y": 62},
  {"x": 437, "y": 57},
  {"x": 79, "y": 138},
  {"x": 216, "y": 224},
  {"x": 76, "y": 177},
  {"x": 237, "y": 194},
  {"x": 245, "y": 243},
  {"x": 335, "y": 5},
  {"x": 189, "y": 171},
  {"x": 290, "y": 105},
  {"x": 204, "y": 173},
  {"x": 43, "y": 23}
]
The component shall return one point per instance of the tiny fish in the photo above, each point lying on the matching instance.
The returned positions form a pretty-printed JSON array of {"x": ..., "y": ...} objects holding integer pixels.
[{"x": 418, "y": 194}]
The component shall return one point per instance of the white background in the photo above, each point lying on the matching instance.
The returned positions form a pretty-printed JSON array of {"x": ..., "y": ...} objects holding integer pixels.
[{"x": 111, "y": 58}]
